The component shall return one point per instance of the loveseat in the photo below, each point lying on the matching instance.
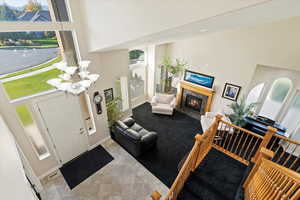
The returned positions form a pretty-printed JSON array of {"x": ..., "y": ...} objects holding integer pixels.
[{"x": 133, "y": 137}]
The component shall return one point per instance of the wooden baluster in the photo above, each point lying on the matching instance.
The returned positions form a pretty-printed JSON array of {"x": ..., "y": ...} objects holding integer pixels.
[
  {"x": 243, "y": 146},
  {"x": 237, "y": 147},
  {"x": 278, "y": 160},
  {"x": 236, "y": 133},
  {"x": 269, "y": 134},
  {"x": 289, "y": 157},
  {"x": 249, "y": 144},
  {"x": 264, "y": 153},
  {"x": 253, "y": 148},
  {"x": 155, "y": 195}
]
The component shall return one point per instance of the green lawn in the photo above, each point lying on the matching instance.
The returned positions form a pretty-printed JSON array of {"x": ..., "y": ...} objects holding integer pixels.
[
  {"x": 30, "y": 85},
  {"x": 45, "y": 42}
]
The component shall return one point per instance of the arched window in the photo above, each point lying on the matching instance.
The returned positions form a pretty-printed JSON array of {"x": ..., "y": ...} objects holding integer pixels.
[
  {"x": 254, "y": 94},
  {"x": 136, "y": 56},
  {"x": 275, "y": 99}
]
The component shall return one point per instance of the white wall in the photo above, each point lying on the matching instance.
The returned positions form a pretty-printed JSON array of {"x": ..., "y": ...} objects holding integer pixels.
[
  {"x": 13, "y": 183},
  {"x": 232, "y": 56},
  {"x": 115, "y": 22}
]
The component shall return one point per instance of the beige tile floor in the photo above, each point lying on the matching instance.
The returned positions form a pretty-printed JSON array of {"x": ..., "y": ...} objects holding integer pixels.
[{"x": 122, "y": 179}]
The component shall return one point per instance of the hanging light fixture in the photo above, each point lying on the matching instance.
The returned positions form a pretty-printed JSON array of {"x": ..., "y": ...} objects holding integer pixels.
[{"x": 68, "y": 81}]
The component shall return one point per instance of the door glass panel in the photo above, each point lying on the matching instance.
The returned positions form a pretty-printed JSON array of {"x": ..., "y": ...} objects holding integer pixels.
[
  {"x": 254, "y": 94},
  {"x": 32, "y": 131},
  {"x": 275, "y": 98},
  {"x": 292, "y": 118}
]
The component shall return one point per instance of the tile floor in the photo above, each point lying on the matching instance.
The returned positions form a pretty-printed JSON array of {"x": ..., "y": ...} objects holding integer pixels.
[{"x": 122, "y": 179}]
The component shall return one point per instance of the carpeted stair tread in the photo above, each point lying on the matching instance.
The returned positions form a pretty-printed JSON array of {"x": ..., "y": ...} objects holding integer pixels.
[
  {"x": 217, "y": 178},
  {"x": 186, "y": 194}
]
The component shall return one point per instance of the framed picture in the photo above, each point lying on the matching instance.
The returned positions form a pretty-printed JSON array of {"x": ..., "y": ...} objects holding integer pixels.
[
  {"x": 198, "y": 78},
  {"x": 109, "y": 95},
  {"x": 231, "y": 92}
]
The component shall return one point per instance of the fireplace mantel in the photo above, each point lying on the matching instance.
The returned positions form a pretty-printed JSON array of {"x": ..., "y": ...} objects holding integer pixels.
[{"x": 197, "y": 89}]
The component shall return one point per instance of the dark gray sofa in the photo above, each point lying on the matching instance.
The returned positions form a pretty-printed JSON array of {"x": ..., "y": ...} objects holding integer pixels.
[{"x": 134, "y": 138}]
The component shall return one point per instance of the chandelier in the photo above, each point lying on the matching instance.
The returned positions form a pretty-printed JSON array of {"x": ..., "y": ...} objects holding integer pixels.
[{"x": 74, "y": 80}]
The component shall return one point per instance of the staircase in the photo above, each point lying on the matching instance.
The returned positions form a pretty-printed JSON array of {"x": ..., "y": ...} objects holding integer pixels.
[
  {"x": 228, "y": 162},
  {"x": 217, "y": 178}
]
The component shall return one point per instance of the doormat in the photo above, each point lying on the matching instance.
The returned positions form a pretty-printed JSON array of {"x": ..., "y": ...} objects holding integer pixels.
[{"x": 79, "y": 169}]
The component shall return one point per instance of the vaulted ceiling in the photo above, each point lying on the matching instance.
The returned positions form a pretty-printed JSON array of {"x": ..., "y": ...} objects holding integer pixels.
[{"x": 114, "y": 24}]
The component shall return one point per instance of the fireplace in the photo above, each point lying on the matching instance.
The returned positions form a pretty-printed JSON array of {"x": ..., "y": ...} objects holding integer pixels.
[
  {"x": 193, "y": 99},
  {"x": 193, "y": 102}
]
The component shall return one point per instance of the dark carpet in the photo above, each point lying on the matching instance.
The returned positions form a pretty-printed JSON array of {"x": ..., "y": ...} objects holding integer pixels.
[
  {"x": 85, "y": 165},
  {"x": 175, "y": 139},
  {"x": 217, "y": 178}
]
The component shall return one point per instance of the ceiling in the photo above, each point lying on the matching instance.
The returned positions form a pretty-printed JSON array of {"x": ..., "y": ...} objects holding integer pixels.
[{"x": 259, "y": 13}]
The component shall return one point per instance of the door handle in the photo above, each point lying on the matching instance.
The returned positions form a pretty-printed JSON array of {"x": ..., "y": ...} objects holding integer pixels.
[{"x": 81, "y": 131}]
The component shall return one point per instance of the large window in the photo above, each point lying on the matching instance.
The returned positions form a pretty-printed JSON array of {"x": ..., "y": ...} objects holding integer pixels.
[
  {"x": 292, "y": 118},
  {"x": 137, "y": 69},
  {"x": 27, "y": 60},
  {"x": 24, "y": 10},
  {"x": 254, "y": 94},
  {"x": 276, "y": 98}
]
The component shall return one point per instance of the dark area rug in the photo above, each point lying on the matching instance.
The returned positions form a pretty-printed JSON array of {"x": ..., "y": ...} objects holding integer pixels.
[
  {"x": 217, "y": 178},
  {"x": 85, "y": 165},
  {"x": 175, "y": 139}
]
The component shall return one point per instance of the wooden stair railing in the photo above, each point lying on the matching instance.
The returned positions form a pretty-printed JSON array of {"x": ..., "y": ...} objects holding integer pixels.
[
  {"x": 240, "y": 144},
  {"x": 202, "y": 146},
  {"x": 271, "y": 181},
  {"x": 236, "y": 142}
]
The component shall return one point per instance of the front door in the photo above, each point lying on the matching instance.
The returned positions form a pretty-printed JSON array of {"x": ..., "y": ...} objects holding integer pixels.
[{"x": 63, "y": 120}]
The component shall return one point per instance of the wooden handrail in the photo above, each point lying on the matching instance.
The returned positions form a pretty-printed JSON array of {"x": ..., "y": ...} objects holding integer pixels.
[{"x": 242, "y": 129}]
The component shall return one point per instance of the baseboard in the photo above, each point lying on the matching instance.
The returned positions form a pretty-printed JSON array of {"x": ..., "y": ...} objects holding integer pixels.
[
  {"x": 98, "y": 143},
  {"x": 50, "y": 171}
]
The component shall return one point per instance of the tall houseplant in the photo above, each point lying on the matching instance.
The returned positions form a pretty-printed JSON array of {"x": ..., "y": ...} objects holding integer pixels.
[
  {"x": 171, "y": 70},
  {"x": 114, "y": 111},
  {"x": 240, "y": 110}
]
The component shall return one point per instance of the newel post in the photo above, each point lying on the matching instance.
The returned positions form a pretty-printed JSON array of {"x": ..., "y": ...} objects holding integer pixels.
[
  {"x": 263, "y": 153},
  {"x": 199, "y": 140},
  {"x": 155, "y": 195},
  {"x": 268, "y": 136},
  {"x": 215, "y": 126}
]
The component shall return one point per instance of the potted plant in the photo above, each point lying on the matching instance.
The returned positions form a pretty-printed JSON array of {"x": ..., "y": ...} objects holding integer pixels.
[
  {"x": 114, "y": 111},
  {"x": 240, "y": 110},
  {"x": 171, "y": 70}
]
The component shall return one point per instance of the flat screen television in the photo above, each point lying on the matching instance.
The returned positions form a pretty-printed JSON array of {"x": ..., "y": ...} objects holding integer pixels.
[{"x": 199, "y": 79}]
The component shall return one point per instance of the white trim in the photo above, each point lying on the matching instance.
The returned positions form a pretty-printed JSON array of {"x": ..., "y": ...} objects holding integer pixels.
[
  {"x": 44, "y": 175},
  {"x": 98, "y": 143},
  {"x": 33, "y": 95},
  {"x": 90, "y": 110}
]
